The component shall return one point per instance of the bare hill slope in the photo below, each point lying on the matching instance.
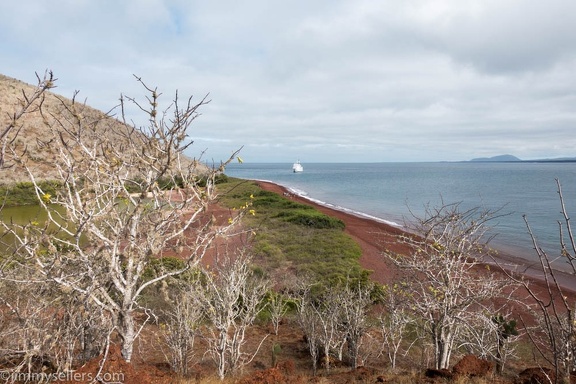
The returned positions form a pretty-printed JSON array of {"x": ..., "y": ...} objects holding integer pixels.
[{"x": 32, "y": 130}]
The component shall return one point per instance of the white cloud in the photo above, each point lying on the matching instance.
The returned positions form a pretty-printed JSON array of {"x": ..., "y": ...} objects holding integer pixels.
[{"x": 323, "y": 81}]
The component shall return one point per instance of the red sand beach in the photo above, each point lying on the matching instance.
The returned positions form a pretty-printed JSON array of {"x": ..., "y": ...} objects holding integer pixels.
[{"x": 374, "y": 236}]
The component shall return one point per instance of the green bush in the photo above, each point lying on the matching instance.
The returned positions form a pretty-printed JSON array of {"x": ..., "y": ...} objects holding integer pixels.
[
  {"x": 312, "y": 219},
  {"x": 24, "y": 194},
  {"x": 161, "y": 265}
]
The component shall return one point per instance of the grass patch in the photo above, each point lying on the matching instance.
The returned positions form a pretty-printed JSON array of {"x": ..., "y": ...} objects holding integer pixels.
[{"x": 295, "y": 236}]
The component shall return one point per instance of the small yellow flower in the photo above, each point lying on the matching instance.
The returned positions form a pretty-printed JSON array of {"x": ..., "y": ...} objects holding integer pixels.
[
  {"x": 46, "y": 197},
  {"x": 230, "y": 220},
  {"x": 251, "y": 196},
  {"x": 252, "y": 212}
]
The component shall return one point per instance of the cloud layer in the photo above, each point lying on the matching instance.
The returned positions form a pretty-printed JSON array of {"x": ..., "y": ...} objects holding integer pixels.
[{"x": 326, "y": 80}]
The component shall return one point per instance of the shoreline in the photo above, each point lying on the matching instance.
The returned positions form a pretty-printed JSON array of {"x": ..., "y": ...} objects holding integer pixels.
[{"x": 374, "y": 235}]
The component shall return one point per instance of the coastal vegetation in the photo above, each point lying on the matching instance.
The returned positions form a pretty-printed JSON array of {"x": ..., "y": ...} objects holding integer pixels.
[
  {"x": 295, "y": 237},
  {"x": 160, "y": 260}
]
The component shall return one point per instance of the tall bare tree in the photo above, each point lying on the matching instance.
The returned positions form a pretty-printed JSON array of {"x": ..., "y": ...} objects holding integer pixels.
[
  {"x": 447, "y": 282},
  {"x": 308, "y": 319},
  {"x": 128, "y": 195},
  {"x": 554, "y": 307},
  {"x": 181, "y": 326}
]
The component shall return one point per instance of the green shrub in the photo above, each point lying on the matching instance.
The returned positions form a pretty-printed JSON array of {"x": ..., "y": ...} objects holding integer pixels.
[
  {"x": 312, "y": 219},
  {"x": 24, "y": 194},
  {"x": 161, "y": 265}
]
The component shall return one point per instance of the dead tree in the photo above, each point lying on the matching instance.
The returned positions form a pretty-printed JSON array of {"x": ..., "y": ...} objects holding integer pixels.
[
  {"x": 308, "y": 321},
  {"x": 446, "y": 279},
  {"x": 128, "y": 194},
  {"x": 394, "y": 319},
  {"x": 354, "y": 302},
  {"x": 181, "y": 326},
  {"x": 277, "y": 307},
  {"x": 232, "y": 297},
  {"x": 554, "y": 308}
]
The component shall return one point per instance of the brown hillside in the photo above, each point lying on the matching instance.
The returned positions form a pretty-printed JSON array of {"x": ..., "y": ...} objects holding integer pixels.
[
  {"x": 32, "y": 131},
  {"x": 32, "y": 128}
]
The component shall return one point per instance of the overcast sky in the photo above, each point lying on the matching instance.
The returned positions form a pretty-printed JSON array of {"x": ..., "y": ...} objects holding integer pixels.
[{"x": 321, "y": 81}]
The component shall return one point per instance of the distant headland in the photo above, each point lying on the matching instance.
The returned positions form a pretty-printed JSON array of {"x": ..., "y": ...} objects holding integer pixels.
[{"x": 512, "y": 159}]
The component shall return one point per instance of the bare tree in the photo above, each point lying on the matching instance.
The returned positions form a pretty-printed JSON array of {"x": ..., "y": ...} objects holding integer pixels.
[
  {"x": 333, "y": 319},
  {"x": 232, "y": 298},
  {"x": 277, "y": 307},
  {"x": 394, "y": 320},
  {"x": 354, "y": 302},
  {"x": 554, "y": 306},
  {"x": 447, "y": 282},
  {"x": 330, "y": 333},
  {"x": 181, "y": 326},
  {"x": 308, "y": 321},
  {"x": 113, "y": 214},
  {"x": 45, "y": 328}
]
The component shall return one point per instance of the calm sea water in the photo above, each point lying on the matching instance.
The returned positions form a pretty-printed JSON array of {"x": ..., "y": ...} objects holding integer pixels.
[{"x": 388, "y": 191}]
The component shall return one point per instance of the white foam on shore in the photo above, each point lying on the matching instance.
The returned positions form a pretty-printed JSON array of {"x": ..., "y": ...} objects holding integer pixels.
[
  {"x": 304, "y": 195},
  {"x": 349, "y": 211}
]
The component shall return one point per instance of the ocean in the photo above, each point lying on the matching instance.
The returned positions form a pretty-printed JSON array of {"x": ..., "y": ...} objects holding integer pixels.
[{"x": 391, "y": 191}]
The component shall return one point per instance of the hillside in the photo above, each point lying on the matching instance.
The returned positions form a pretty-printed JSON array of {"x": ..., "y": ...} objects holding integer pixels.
[
  {"x": 501, "y": 158},
  {"x": 514, "y": 159},
  {"x": 33, "y": 128}
]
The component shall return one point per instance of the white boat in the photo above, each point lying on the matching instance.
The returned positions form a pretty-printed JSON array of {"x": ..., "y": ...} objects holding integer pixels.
[{"x": 297, "y": 167}]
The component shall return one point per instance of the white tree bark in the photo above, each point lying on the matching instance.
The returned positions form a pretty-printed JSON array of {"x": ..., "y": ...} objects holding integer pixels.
[
  {"x": 445, "y": 280},
  {"x": 232, "y": 298},
  {"x": 112, "y": 217}
]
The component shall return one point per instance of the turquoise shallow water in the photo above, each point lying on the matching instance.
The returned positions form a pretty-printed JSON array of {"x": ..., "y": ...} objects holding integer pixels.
[{"x": 388, "y": 191}]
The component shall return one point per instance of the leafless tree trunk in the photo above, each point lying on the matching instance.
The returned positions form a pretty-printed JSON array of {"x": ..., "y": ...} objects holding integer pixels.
[
  {"x": 447, "y": 282},
  {"x": 334, "y": 319},
  {"x": 113, "y": 216},
  {"x": 308, "y": 321},
  {"x": 232, "y": 298},
  {"x": 277, "y": 307},
  {"x": 353, "y": 303},
  {"x": 394, "y": 320},
  {"x": 491, "y": 335},
  {"x": 555, "y": 307},
  {"x": 181, "y": 326}
]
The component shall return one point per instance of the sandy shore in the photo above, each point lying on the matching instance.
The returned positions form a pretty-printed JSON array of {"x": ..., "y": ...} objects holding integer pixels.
[{"x": 375, "y": 236}]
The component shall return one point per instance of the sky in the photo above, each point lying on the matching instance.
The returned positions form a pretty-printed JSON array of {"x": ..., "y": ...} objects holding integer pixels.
[{"x": 319, "y": 81}]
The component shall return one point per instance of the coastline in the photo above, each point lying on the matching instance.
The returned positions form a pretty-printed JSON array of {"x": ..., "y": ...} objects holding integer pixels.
[{"x": 374, "y": 236}]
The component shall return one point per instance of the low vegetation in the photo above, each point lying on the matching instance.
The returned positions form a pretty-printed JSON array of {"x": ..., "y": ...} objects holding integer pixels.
[
  {"x": 293, "y": 237},
  {"x": 24, "y": 193}
]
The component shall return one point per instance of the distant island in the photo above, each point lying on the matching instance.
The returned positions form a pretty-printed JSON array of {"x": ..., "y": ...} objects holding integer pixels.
[
  {"x": 500, "y": 158},
  {"x": 512, "y": 158}
]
